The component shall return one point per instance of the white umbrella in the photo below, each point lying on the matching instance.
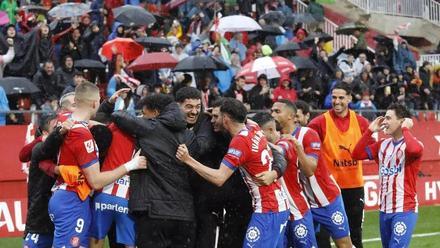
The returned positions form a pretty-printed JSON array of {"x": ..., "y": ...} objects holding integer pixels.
[{"x": 235, "y": 23}]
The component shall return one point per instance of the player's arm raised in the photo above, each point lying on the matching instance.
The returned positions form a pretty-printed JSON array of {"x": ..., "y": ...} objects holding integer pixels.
[
  {"x": 215, "y": 176},
  {"x": 98, "y": 179}
]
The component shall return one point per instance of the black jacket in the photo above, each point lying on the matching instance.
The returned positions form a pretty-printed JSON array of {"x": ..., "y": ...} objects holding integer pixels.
[
  {"x": 39, "y": 186},
  {"x": 163, "y": 189}
]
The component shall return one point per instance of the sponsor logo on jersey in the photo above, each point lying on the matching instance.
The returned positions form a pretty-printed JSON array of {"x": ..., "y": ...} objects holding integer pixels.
[
  {"x": 338, "y": 218},
  {"x": 90, "y": 146},
  {"x": 391, "y": 171},
  {"x": 101, "y": 206},
  {"x": 400, "y": 228},
  {"x": 253, "y": 234},
  {"x": 300, "y": 231},
  {"x": 234, "y": 152}
]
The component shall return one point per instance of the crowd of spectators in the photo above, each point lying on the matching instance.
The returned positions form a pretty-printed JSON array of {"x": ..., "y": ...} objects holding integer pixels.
[{"x": 44, "y": 50}]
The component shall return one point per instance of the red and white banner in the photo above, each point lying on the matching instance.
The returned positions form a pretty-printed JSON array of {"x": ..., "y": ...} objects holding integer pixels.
[{"x": 13, "y": 193}]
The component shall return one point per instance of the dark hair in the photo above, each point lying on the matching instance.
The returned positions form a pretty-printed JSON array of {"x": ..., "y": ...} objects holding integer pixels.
[
  {"x": 156, "y": 102},
  {"x": 188, "y": 93},
  {"x": 305, "y": 107},
  {"x": 343, "y": 86},
  {"x": 425, "y": 63},
  {"x": 218, "y": 102},
  {"x": 400, "y": 110},
  {"x": 44, "y": 121},
  {"x": 235, "y": 109},
  {"x": 262, "y": 118},
  {"x": 288, "y": 103},
  {"x": 240, "y": 77},
  {"x": 103, "y": 137},
  {"x": 262, "y": 76}
]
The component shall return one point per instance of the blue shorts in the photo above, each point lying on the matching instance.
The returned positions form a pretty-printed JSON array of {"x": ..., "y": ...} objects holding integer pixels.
[
  {"x": 35, "y": 240},
  {"x": 396, "y": 229},
  {"x": 265, "y": 230},
  {"x": 333, "y": 218},
  {"x": 109, "y": 209},
  {"x": 71, "y": 217},
  {"x": 300, "y": 233}
]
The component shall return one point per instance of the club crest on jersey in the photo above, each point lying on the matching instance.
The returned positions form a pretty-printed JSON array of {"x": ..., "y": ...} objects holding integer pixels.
[
  {"x": 338, "y": 218},
  {"x": 90, "y": 146},
  {"x": 400, "y": 228},
  {"x": 253, "y": 234},
  {"x": 234, "y": 152},
  {"x": 301, "y": 231},
  {"x": 74, "y": 241}
]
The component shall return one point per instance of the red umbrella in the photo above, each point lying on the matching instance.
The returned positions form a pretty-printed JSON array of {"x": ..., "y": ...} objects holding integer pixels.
[
  {"x": 273, "y": 67},
  {"x": 153, "y": 61},
  {"x": 129, "y": 48}
]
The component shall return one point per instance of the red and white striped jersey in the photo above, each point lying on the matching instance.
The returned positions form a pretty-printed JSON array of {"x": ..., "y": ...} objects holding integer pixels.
[
  {"x": 290, "y": 181},
  {"x": 320, "y": 188},
  {"x": 119, "y": 188},
  {"x": 399, "y": 164},
  {"x": 121, "y": 151},
  {"x": 249, "y": 150}
]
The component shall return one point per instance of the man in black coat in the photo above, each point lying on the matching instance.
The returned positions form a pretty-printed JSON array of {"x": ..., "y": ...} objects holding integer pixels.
[
  {"x": 47, "y": 82},
  {"x": 161, "y": 199}
]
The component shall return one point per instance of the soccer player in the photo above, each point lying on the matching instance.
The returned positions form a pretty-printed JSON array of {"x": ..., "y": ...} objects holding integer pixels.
[
  {"x": 69, "y": 206},
  {"x": 249, "y": 151},
  {"x": 301, "y": 152},
  {"x": 399, "y": 158},
  {"x": 110, "y": 205},
  {"x": 339, "y": 130}
]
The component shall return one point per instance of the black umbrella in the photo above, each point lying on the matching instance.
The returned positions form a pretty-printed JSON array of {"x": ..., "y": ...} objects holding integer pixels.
[
  {"x": 200, "y": 63},
  {"x": 305, "y": 18},
  {"x": 274, "y": 17},
  {"x": 289, "y": 46},
  {"x": 350, "y": 27},
  {"x": 270, "y": 30},
  {"x": 18, "y": 85},
  {"x": 153, "y": 42},
  {"x": 133, "y": 16},
  {"x": 89, "y": 64},
  {"x": 321, "y": 36},
  {"x": 303, "y": 63},
  {"x": 383, "y": 39}
]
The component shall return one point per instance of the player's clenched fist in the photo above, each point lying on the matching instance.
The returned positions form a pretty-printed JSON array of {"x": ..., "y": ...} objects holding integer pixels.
[{"x": 182, "y": 153}]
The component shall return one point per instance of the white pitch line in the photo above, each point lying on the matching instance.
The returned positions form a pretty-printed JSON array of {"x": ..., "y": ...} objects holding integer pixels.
[{"x": 420, "y": 235}]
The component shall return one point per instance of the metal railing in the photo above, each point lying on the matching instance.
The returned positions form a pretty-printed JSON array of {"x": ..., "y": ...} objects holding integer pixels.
[
  {"x": 426, "y": 9},
  {"x": 432, "y": 58},
  {"x": 330, "y": 28}
]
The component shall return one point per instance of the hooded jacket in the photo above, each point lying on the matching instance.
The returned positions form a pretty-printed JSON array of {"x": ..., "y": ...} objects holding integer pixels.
[{"x": 162, "y": 190}]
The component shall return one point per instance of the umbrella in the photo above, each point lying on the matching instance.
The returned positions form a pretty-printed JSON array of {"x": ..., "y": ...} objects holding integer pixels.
[
  {"x": 305, "y": 18},
  {"x": 321, "y": 36},
  {"x": 303, "y": 63},
  {"x": 18, "y": 85},
  {"x": 271, "y": 30},
  {"x": 153, "y": 42},
  {"x": 133, "y": 16},
  {"x": 34, "y": 8},
  {"x": 289, "y": 46},
  {"x": 89, "y": 64},
  {"x": 67, "y": 10},
  {"x": 273, "y": 67},
  {"x": 153, "y": 61},
  {"x": 129, "y": 49},
  {"x": 4, "y": 19},
  {"x": 235, "y": 23},
  {"x": 274, "y": 17},
  {"x": 200, "y": 63},
  {"x": 383, "y": 39},
  {"x": 350, "y": 27}
]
